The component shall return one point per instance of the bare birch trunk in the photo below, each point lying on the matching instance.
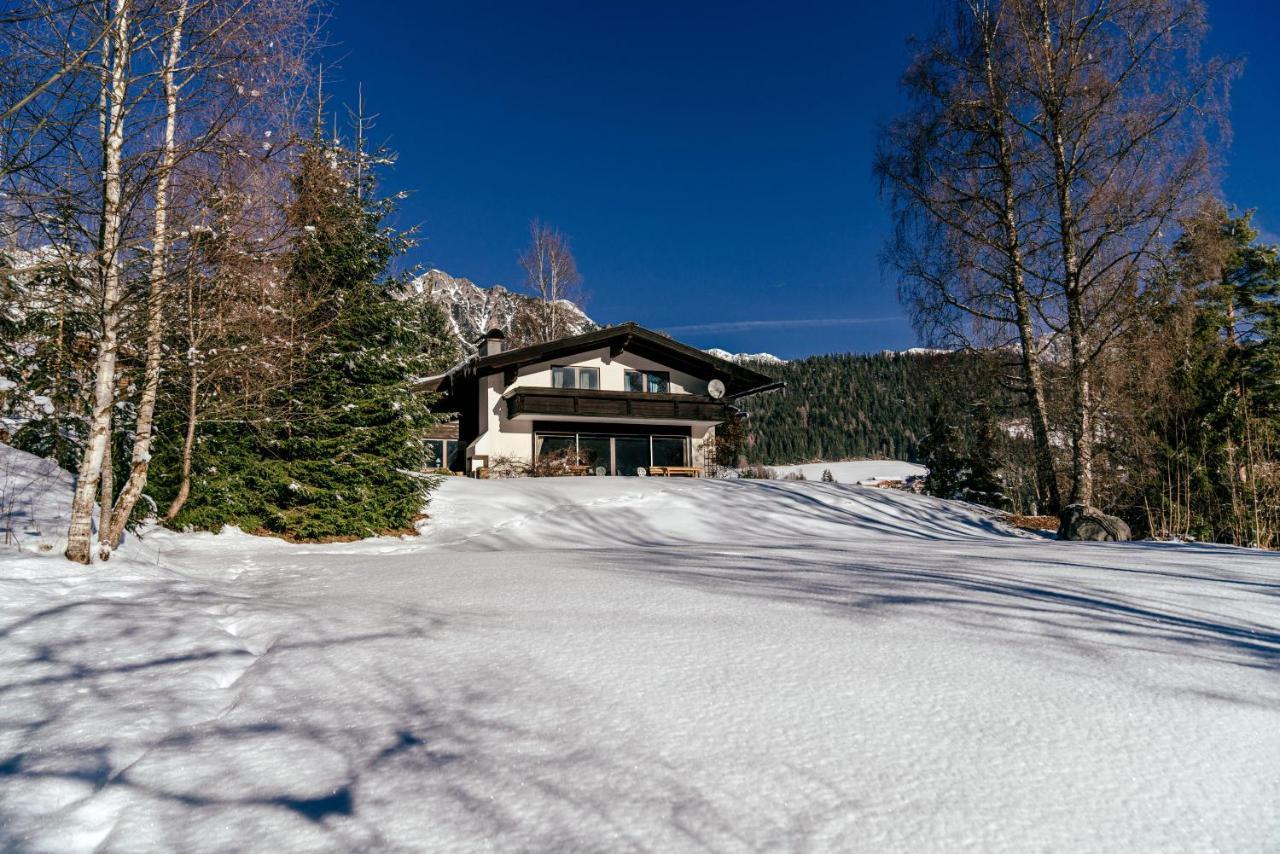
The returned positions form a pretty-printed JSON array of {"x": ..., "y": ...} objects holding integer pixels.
[
  {"x": 1077, "y": 334},
  {"x": 1032, "y": 376},
  {"x": 155, "y": 297},
  {"x": 106, "y": 486},
  {"x": 188, "y": 444},
  {"x": 79, "y": 533}
]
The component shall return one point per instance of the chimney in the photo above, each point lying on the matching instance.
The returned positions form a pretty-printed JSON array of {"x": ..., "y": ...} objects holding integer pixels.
[{"x": 492, "y": 343}]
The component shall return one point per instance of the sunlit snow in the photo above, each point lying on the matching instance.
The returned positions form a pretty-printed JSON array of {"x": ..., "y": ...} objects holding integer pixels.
[{"x": 599, "y": 664}]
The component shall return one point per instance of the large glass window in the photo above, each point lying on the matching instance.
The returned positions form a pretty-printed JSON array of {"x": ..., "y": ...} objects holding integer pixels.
[
  {"x": 558, "y": 448},
  {"x": 568, "y": 376},
  {"x": 658, "y": 382},
  {"x": 668, "y": 451},
  {"x": 595, "y": 452},
  {"x": 631, "y": 453},
  {"x": 610, "y": 454}
]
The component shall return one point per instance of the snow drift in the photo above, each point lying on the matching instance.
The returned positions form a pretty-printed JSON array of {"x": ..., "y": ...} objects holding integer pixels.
[{"x": 590, "y": 512}]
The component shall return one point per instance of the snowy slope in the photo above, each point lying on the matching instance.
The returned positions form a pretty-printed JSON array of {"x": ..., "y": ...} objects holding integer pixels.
[
  {"x": 32, "y": 497},
  {"x": 856, "y": 471},
  {"x": 636, "y": 665}
]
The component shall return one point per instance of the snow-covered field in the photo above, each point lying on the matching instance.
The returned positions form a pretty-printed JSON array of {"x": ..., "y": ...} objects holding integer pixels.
[
  {"x": 856, "y": 471},
  {"x": 604, "y": 664}
]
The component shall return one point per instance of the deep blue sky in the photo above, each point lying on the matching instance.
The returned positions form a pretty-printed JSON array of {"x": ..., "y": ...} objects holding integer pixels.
[{"x": 711, "y": 162}]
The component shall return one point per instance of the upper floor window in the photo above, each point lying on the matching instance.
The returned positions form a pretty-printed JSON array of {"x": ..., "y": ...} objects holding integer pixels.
[
  {"x": 568, "y": 376},
  {"x": 652, "y": 381}
]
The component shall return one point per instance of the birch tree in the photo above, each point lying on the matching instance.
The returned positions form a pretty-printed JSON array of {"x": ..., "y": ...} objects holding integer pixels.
[
  {"x": 552, "y": 278},
  {"x": 951, "y": 167},
  {"x": 1116, "y": 110},
  {"x": 157, "y": 282},
  {"x": 1054, "y": 145},
  {"x": 115, "y": 94}
]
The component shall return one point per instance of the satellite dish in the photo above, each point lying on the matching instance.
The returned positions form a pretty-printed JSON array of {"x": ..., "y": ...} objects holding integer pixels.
[{"x": 715, "y": 388}]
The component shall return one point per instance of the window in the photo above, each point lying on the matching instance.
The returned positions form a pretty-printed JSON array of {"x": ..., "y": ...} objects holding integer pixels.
[
  {"x": 435, "y": 451},
  {"x": 608, "y": 454},
  {"x": 668, "y": 451},
  {"x": 570, "y": 377},
  {"x": 444, "y": 454},
  {"x": 658, "y": 382},
  {"x": 558, "y": 447}
]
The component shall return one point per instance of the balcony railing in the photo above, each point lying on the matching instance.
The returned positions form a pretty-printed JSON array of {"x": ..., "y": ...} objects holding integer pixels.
[{"x": 567, "y": 402}]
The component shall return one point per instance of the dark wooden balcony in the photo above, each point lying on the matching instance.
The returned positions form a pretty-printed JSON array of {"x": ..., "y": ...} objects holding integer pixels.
[{"x": 584, "y": 403}]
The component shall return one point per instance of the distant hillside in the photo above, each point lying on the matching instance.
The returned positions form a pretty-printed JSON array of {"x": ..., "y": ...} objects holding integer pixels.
[{"x": 849, "y": 406}]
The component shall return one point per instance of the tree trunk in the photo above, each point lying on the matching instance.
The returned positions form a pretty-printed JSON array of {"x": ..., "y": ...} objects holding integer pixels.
[
  {"x": 1077, "y": 333},
  {"x": 1032, "y": 377},
  {"x": 106, "y": 488},
  {"x": 79, "y": 533},
  {"x": 141, "y": 458},
  {"x": 188, "y": 445}
]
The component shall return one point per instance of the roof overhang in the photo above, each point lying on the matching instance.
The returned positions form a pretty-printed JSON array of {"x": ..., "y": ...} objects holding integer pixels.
[
  {"x": 739, "y": 380},
  {"x": 630, "y": 338}
]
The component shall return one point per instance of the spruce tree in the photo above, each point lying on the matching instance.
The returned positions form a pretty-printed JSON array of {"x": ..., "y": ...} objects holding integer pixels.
[
  {"x": 339, "y": 449},
  {"x": 1230, "y": 376},
  {"x": 46, "y": 329},
  {"x": 942, "y": 455},
  {"x": 980, "y": 482}
]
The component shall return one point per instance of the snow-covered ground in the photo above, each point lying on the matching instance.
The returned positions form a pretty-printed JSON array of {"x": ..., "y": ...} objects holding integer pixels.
[
  {"x": 603, "y": 664},
  {"x": 856, "y": 471}
]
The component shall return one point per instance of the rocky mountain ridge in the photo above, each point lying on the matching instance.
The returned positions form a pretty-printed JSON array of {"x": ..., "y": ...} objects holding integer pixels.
[{"x": 473, "y": 310}]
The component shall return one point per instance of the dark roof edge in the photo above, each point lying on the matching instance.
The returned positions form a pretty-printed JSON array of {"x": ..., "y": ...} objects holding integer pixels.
[{"x": 541, "y": 352}]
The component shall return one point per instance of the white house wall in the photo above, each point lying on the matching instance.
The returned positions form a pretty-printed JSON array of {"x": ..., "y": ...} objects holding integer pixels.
[{"x": 611, "y": 372}]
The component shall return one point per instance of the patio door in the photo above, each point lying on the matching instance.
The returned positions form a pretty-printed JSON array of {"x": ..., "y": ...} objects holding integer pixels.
[
  {"x": 596, "y": 453},
  {"x": 630, "y": 454}
]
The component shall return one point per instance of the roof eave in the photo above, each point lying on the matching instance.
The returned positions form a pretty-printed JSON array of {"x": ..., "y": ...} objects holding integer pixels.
[{"x": 741, "y": 375}]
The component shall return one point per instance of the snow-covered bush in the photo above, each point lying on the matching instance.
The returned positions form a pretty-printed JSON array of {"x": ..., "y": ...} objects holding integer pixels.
[{"x": 505, "y": 467}]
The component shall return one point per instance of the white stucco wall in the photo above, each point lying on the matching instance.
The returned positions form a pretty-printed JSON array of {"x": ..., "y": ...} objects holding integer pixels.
[
  {"x": 502, "y": 437},
  {"x": 611, "y": 372}
]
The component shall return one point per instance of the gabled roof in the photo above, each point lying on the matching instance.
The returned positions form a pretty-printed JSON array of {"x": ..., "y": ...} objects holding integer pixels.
[{"x": 739, "y": 380}]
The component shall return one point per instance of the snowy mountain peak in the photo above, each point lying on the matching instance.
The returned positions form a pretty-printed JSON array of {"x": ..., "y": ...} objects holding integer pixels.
[
  {"x": 918, "y": 351},
  {"x": 474, "y": 310},
  {"x": 767, "y": 358}
]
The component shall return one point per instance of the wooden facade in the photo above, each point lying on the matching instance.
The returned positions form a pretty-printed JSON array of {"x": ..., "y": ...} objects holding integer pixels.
[{"x": 560, "y": 402}]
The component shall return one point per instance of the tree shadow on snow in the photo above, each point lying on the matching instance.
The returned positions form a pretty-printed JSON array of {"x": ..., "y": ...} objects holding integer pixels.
[
  {"x": 1036, "y": 592},
  {"x": 127, "y": 724}
]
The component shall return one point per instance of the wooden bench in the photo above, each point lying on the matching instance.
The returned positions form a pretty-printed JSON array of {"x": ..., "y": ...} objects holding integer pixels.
[{"x": 675, "y": 471}]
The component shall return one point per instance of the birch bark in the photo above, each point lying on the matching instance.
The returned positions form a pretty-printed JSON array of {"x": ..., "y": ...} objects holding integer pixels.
[
  {"x": 141, "y": 456},
  {"x": 115, "y": 91}
]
